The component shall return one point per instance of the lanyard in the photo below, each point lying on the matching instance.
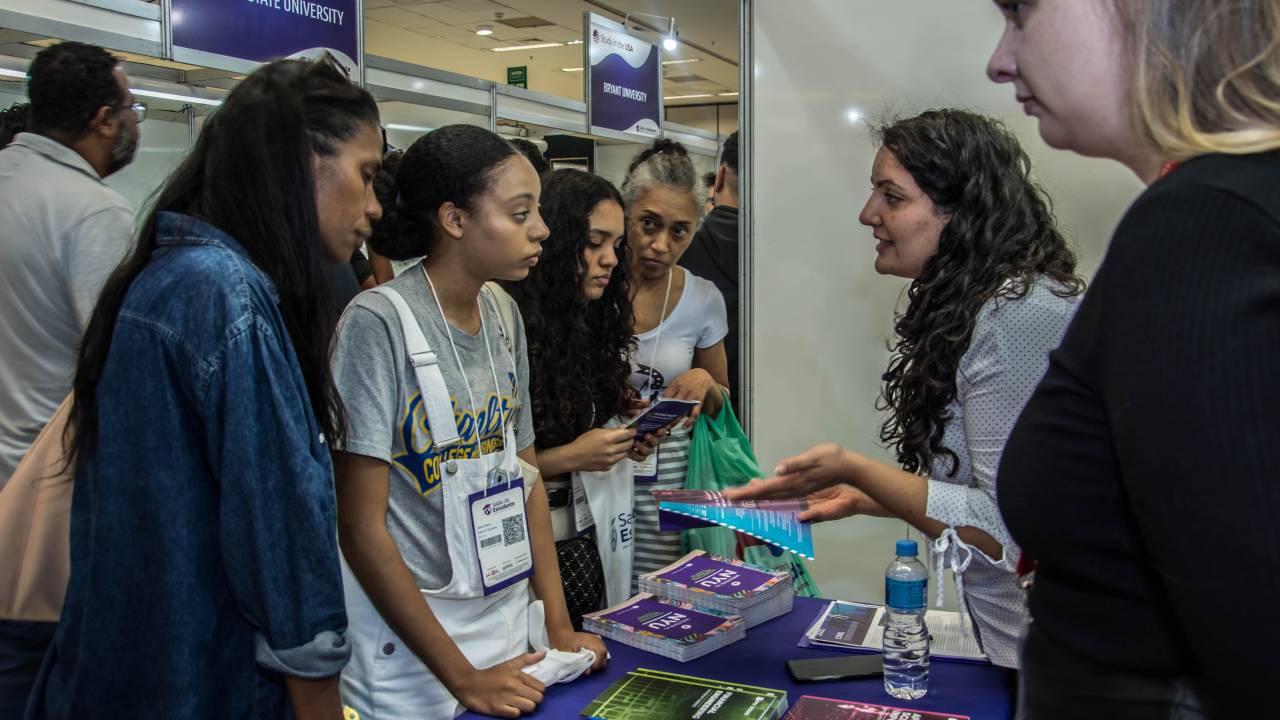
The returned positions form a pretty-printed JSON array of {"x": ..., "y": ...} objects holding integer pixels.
[
  {"x": 497, "y": 388},
  {"x": 657, "y": 340}
]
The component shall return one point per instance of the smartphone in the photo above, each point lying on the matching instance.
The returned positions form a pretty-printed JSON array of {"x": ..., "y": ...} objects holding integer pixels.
[{"x": 835, "y": 668}]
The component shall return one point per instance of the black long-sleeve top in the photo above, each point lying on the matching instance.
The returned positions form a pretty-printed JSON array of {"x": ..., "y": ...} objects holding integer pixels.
[{"x": 1144, "y": 473}]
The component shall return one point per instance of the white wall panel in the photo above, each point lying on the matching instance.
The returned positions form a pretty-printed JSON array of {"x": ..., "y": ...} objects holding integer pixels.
[{"x": 821, "y": 314}]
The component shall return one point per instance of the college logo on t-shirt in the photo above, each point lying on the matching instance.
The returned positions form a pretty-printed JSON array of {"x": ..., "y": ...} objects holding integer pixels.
[{"x": 417, "y": 456}]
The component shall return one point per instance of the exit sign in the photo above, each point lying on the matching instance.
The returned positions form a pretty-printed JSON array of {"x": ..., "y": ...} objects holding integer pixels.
[{"x": 518, "y": 76}]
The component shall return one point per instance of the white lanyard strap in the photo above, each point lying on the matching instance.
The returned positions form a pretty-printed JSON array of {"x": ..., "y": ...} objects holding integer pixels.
[
  {"x": 426, "y": 369},
  {"x": 657, "y": 340},
  {"x": 497, "y": 388}
]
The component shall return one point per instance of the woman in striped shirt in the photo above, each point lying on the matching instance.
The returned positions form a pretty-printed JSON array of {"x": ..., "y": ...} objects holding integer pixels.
[{"x": 680, "y": 326}]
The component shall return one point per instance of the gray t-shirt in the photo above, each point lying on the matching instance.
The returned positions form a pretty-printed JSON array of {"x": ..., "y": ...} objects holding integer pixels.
[
  {"x": 386, "y": 418},
  {"x": 62, "y": 232}
]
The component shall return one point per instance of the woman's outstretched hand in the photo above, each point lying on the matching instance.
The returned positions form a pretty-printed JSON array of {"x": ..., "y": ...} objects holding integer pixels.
[{"x": 817, "y": 469}]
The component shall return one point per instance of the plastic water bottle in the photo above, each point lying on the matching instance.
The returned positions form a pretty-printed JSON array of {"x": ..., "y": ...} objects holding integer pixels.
[{"x": 906, "y": 638}]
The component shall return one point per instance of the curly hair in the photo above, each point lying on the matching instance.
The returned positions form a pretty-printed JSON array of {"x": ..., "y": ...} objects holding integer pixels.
[
  {"x": 68, "y": 84},
  {"x": 578, "y": 349},
  {"x": 1000, "y": 238}
]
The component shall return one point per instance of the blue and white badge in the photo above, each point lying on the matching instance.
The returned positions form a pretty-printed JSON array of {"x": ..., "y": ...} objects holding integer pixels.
[{"x": 501, "y": 533}]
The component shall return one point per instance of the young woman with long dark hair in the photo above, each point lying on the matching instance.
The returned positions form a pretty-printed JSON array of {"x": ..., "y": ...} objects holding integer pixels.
[
  {"x": 993, "y": 287},
  {"x": 205, "y": 578},
  {"x": 444, "y": 529},
  {"x": 577, "y": 312}
]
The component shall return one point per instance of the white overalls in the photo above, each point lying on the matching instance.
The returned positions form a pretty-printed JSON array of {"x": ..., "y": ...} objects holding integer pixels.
[{"x": 385, "y": 680}]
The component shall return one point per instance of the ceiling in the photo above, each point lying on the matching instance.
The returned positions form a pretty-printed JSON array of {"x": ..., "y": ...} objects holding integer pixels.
[{"x": 441, "y": 34}]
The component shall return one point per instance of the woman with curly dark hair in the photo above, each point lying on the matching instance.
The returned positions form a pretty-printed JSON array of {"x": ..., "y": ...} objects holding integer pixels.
[
  {"x": 576, "y": 306},
  {"x": 993, "y": 287}
]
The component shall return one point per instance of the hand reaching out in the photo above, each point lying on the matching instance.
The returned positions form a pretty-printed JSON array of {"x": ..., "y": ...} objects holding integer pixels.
[{"x": 817, "y": 469}]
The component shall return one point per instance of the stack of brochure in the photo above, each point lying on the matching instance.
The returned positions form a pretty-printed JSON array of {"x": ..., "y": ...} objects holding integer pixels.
[
  {"x": 668, "y": 628},
  {"x": 652, "y": 695},
  {"x": 727, "y": 585}
]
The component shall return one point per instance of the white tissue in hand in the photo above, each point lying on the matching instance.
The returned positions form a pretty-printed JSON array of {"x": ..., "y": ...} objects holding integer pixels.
[{"x": 561, "y": 667}]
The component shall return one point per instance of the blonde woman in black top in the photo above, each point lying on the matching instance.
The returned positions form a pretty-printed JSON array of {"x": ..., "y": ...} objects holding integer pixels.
[{"x": 1141, "y": 475}]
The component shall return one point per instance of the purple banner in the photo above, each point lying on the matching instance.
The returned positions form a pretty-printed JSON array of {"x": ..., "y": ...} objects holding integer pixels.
[
  {"x": 625, "y": 80},
  {"x": 263, "y": 30},
  {"x": 718, "y": 577},
  {"x": 666, "y": 620}
]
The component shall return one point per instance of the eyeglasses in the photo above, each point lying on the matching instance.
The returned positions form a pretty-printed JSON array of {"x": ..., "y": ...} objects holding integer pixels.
[{"x": 139, "y": 109}]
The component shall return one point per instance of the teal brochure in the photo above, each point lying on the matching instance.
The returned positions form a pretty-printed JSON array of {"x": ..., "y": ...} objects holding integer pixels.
[{"x": 775, "y": 522}]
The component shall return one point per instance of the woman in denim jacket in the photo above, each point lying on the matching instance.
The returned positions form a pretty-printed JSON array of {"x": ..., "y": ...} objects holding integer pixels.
[{"x": 204, "y": 569}]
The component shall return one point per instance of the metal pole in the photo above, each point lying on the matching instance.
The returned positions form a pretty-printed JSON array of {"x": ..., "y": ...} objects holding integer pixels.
[
  {"x": 746, "y": 224},
  {"x": 166, "y": 29},
  {"x": 360, "y": 42},
  {"x": 493, "y": 107}
]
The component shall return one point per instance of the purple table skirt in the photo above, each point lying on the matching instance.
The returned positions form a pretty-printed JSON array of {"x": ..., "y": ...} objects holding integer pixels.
[{"x": 983, "y": 692}]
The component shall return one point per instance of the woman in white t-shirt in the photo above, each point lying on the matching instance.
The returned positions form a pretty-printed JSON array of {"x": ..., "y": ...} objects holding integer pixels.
[{"x": 680, "y": 326}]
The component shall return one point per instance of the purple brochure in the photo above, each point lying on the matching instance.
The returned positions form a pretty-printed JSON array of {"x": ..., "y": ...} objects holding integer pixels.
[
  {"x": 660, "y": 415},
  {"x": 652, "y": 617},
  {"x": 721, "y": 578}
]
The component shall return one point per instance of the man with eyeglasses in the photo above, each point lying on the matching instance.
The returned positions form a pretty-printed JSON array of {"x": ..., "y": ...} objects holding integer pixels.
[{"x": 62, "y": 232}]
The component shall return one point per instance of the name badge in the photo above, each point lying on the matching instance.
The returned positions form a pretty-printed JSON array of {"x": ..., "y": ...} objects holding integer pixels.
[
  {"x": 501, "y": 533},
  {"x": 582, "y": 519},
  {"x": 646, "y": 470}
]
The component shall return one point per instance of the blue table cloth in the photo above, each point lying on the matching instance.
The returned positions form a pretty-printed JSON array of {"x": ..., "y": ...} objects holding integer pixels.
[{"x": 983, "y": 692}]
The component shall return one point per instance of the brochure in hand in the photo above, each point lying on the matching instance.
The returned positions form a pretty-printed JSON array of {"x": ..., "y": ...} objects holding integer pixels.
[
  {"x": 860, "y": 627},
  {"x": 816, "y": 708},
  {"x": 661, "y": 414},
  {"x": 653, "y": 695},
  {"x": 724, "y": 584},
  {"x": 776, "y": 522},
  {"x": 666, "y": 627}
]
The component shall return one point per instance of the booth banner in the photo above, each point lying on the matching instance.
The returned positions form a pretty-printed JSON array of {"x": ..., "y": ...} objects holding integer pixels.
[
  {"x": 624, "y": 80},
  {"x": 258, "y": 31}
]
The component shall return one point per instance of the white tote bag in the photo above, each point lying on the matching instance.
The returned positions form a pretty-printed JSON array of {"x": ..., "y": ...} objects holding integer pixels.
[{"x": 609, "y": 496}]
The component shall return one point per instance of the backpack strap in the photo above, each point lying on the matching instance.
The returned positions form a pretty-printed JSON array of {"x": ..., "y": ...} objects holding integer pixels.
[{"x": 426, "y": 367}]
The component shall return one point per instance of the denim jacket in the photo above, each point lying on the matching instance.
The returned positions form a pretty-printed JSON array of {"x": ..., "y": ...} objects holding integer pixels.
[{"x": 204, "y": 558}]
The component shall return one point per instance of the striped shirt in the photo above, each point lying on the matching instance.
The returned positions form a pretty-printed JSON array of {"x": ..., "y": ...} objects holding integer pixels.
[{"x": 655, "y": 549}]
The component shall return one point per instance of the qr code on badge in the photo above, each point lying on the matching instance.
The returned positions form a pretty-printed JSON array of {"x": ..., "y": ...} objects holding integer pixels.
[{"x": 513, "y": 530}]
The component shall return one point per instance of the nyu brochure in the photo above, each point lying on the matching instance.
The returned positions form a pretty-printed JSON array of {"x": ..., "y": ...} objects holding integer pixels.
[
  {"x": 666, "y": 627},
  {"x": 724, "y": 584}
]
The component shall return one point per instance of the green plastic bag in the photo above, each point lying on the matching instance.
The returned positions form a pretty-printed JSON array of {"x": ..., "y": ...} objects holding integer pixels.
[{"x": 720, "y": 456}]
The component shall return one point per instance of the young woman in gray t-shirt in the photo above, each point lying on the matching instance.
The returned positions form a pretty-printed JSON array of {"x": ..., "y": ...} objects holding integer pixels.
[{"x": 443, "y": 518}]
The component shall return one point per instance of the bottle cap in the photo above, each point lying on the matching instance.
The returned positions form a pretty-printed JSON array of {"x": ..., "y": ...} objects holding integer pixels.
[{"x": 907, "y": 548}]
